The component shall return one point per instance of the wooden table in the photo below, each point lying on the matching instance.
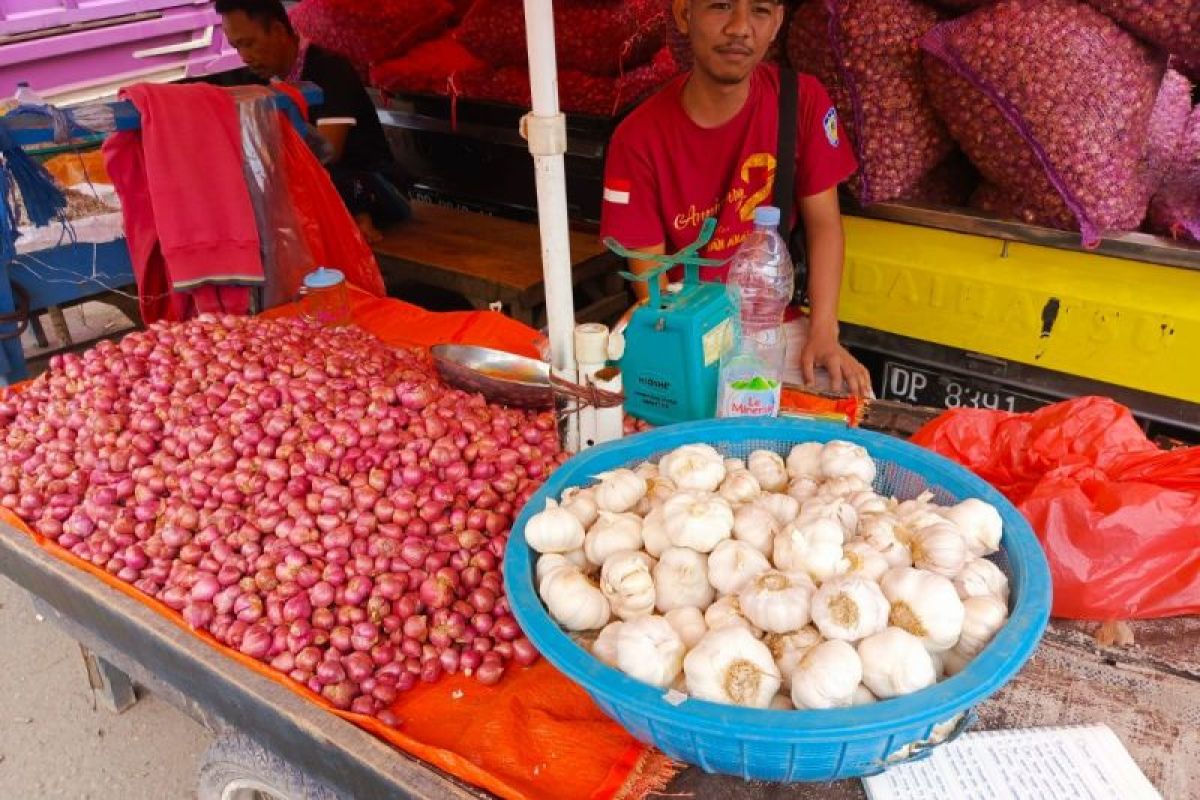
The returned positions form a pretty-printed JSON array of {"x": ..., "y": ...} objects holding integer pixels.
[{"x": 490, "y": 259}]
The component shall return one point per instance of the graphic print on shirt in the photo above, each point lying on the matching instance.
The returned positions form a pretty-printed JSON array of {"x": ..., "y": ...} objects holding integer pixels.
[
  {"x": 830, "y": 124},
  {"x": 755, "y": 181}
]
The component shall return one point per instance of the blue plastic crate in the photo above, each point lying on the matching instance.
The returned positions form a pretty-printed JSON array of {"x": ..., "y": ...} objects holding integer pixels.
[{"x": 794, "y": 745}]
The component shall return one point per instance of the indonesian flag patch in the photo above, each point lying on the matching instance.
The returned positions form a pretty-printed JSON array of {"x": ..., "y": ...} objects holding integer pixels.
[{"x": 616, "y": 190}]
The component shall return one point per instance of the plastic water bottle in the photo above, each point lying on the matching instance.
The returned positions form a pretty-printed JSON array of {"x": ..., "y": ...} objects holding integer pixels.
[
  {"x": 760, "y": 282},
  {"x": 26, "y": 96}
]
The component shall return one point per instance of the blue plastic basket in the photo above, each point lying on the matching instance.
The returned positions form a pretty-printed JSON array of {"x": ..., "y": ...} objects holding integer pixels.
[{"x": 794, "y": 745}]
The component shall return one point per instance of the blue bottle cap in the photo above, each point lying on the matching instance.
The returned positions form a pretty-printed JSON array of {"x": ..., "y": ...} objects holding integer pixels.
[
  {"x": 766, "y": 216},
  {"x": 323, "y": 278}
]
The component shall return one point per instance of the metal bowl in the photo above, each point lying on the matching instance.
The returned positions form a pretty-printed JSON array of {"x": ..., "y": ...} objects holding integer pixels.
[{"x": 501, "y": 377}]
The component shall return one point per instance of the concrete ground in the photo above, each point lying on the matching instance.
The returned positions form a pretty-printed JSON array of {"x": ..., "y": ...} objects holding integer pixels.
[{"x": 56, "y": 743}]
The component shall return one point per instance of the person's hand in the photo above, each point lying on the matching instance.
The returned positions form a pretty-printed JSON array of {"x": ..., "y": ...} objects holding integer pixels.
[
  {"x": 624, "y": 320},
  {"x": 845, "y": 372}
]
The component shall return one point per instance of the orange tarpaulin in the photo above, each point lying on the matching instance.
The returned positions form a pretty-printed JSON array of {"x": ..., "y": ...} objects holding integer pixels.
[{"x": 535, "y": 735}]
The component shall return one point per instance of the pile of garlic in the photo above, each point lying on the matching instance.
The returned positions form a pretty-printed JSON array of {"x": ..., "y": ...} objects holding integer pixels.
[{"x": 771, "y": 583}]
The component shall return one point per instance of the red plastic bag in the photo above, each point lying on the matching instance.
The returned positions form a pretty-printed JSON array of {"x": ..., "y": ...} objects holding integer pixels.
[
  {"x": 328, "y": 229},
  {"x": 1119, "y": 519}
]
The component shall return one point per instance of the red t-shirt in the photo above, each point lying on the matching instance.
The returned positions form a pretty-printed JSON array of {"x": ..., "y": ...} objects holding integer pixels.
[{"x": 665, "y": 174}]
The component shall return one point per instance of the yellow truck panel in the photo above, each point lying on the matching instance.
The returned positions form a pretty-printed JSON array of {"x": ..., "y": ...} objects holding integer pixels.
[{"x": 1115, "y": 320}]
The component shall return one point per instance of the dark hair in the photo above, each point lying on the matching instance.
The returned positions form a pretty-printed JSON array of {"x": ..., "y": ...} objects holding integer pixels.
[{"x": 263, "y": 11}]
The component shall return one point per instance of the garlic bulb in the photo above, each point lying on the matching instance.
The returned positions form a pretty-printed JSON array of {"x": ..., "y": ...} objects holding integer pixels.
[
  {"x": 582, "y": 504},
  {"x": 579, "y": 559},
  {"x": 782, "y": 507},
  {"x": 573, "y": 600},
  {"x": 658, "y": 490},
  {"x": 883, "y": 532},
  {"x": 954, "y": 662},
  {"x": 867, "y": 502},
  {"x": 696, "y": 520},
  {"x": 788, "y": 648},
  {"x": 681, "y": 580},
  {"x": 739, "y": 487},
  {"x": 654, "y": 533},
  {"x": 925, "y": 605},
  {"x": 781, "y": 702},
  {"x": 612, "y": 533},
  {"x": 647, "y": 470},
  {"x": 802, "y": 489},
  {"x": 650, "y": 650},
  {"x": 980, "y": 577},
  {"x": 548, "y": 563},
  {"x": 688, "y": 623},
  {"x": 778, "y": 602},
  {"x": 732, "y": 564},
  {"x": 804, "y": 460},
  {"x": 863, "y": 696},
  {"x": 734, "y": 465},
  {"x": 769, "y": 470},
  {"x": 694, "y": 467},
  {"x": 605, "y": 645},
  {"x": 894, "y": 663},
  {"x": 814, "y": 547},
  {"x": 626, "y": 582},
  {"x": 727, "y": 611},
  {"x": 553, "y": 530},
  {"x": 917, "y": 513},
  {"x": 756, "y": 526},
  {"x": 730, "y": 666},
  {"x": 939, "y": 548},
  {"x": 844, "y": 487},
  {"x": 834, "y": 508},
  {"x": 847, "y": 460},
  {"x": 619, "y": 490},
  {"x": 983, "y": 617},
  {"x": 865, "y": 561},
  {"x": 827, "y": 676},
  {"x": 849, "y": 608},
  {"x": 980, "y": 524},
  {"x": 939, "y": 663}
]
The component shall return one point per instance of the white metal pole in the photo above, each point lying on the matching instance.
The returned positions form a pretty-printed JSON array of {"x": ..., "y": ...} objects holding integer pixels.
[{"x": 546, "y": 131}]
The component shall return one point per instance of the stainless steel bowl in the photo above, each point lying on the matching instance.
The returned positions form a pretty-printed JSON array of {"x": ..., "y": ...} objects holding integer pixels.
[{"x": 499, "y": 376}]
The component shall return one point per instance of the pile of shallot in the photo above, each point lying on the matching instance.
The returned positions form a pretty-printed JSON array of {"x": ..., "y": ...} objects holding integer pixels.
[
  {"x": 771, "y": 583},
  {"x": 310, "y": 497}
]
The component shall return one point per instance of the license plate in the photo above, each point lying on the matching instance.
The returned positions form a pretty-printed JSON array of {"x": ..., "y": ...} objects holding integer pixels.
[{"x": 924, "y": 387}]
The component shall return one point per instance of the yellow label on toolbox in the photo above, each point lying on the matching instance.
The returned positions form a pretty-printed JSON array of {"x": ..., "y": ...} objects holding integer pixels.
[
  {"x": 1124, "y": 322},
  {"x": 717, "y": 342}
]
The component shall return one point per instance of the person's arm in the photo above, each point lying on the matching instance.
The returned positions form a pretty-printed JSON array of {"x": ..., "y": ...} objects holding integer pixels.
[{"x": 822, "y": 219}]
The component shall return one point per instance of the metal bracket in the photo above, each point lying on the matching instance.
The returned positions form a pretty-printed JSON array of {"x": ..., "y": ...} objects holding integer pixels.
[{"x": 547, "y": 136}]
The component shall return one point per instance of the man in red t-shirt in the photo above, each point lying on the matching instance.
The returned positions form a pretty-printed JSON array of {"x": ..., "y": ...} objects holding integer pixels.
[{"x": 705, "y": 145}]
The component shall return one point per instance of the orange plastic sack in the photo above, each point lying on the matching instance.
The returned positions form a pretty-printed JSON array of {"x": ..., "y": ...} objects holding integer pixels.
[
  {"x": 1119, "y": 518},
  {"x": 69, "y": 169}
]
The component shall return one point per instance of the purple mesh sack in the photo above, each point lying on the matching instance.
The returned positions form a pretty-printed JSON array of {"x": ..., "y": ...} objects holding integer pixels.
[
  {"x": 1052, "y": 101},
  {"x": 866, "y": 55},
  {"x": 1175, "y": 210},
  {"x": 1171, "y": 25}
]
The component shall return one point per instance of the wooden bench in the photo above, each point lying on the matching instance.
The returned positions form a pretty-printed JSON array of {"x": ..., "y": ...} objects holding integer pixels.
[{"x": 489, "y": 259}]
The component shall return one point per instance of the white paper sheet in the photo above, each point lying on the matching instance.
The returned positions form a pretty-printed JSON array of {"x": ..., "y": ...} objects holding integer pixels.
[{"x": 1068, "y": 763}]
